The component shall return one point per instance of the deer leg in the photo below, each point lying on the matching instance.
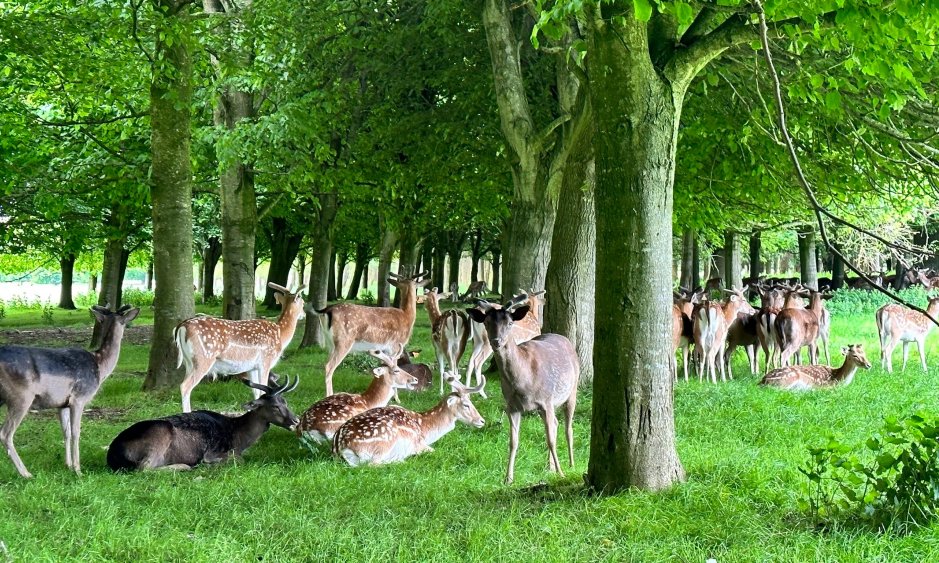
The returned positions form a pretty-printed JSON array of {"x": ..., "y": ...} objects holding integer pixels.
[
  {"x": 255, "y": 377},
  {"x": 906, "y": 353},
  {"x": 442, "y": 365},
  {"x": 336, "y": 355},
  {"x": 569, "y": 407},
  {"x": 515, "y": 419},
  {"x": 920, "y": 345},
  {"x": 684, "y": 361},
  {"x": 75, "y": 413},
  {"x": 199, "y": 369},
  {"x": 65, "y": 421},
  {"x": 551, "y": 433},
  {"x": 16, "y": 412}
]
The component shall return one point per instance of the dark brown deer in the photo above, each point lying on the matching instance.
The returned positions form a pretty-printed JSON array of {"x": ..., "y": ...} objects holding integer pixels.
[
  {"x": 797, "y": 327},
  {"x": 183, "y": 441},
  {"x": 537, "y": 375},
  {"x": 63, "y": 379}
]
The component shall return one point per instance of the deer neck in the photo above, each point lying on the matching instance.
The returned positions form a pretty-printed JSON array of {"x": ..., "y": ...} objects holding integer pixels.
[
  {"x": 433, "y": 308},
  {"x": 107, "y": 355},
  {"x": 247, "y": 429},
  {"x": 845, "y": 373},
  {"x": 437, "y": 421},
  {"x": 378, "y": 393},
  {"x": 408, "y": 300},
  {"x": 933, "y": 310},
  {"x": 287, "y": 323}
]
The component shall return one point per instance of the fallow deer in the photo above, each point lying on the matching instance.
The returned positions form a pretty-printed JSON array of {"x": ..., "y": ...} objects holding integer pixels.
[
  {"x": 54, "y": 378},
  {"x": 320, "y": 422},
  {"x": 389, "y": 434},
  {"x": 896, "y": 323},
  {"x": 208, "y": 345},
  {"x": 359, "y": 328},
  {"x": 476, "y": 290},
  {"x": 711, "y": 321},
  {"x": 522, "y": 331},
  {"x": 796, "y": 328},
  {"x": 771, "y": 303},
  {"x": 185, "y": 440},
  {"x": 682, "y": 327},
  {"x": 796, "y": 378},
  {"x": 742, "y": 331},
  {"x": 449, "y": 332},
  {"x": 537, "y": 375}
]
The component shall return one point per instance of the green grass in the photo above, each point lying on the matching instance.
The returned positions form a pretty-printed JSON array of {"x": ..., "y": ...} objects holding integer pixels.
[{"x": 740, "y": 444}]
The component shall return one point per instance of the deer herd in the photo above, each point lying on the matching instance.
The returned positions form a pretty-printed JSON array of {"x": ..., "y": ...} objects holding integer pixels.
[{"x": 537, "y": 372}]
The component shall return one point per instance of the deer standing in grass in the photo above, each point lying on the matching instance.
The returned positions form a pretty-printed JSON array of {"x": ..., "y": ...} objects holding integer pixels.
[
  {"x": 537, "y": 375},
  {"x": 796, "y": 327},
  {"x": 359, "y": 328},
  {"x": 800, "y": 378},
  {"x": 476, "y": 290},
  {"x": 389, "y": 434},
  {"x": 742, "y": 331},
  {"x": 321, "y": 421},
  {"x": 208, "y": 345},
  {"x": 449, "y": 332},
  {"x": 682, "y": 328},
  {"x": 711, "y": 321},
  {"x": 896, "y": 323},
  {"x": 56, "y": 378},
  {"x": 522, "y": 331}
]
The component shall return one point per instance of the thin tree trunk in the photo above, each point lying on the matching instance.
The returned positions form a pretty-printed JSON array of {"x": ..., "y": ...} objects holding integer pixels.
[
  {"x": 455, "y": 243},
  {"x": 687, "y": 258},
  {"x": 284, "y": 248},
  {"x": 476, "y": 248},
  {"x": 696, "y": 263},
  {"x": 388, "y": 243},
  {"x": 408, "y": 256},
  {"x": 321, "y": 246},
  {"x": 427, "y": 255},
  {"x": 67, "y": 268},
  {"x": 301, "y": 268},
  {"x": 732, "y": 265},
  {"x": 807, "y": 266},
  {"x": 440, "y": 262},
  {"x": 361, "y": 262},
  {"x": 756, "y": 243},
  {"x": 171, "y": 190},
  {"x": 93, "y": 283},
  {"x": 149, "y": 278},
  {"x": 497, "y": 270},
  {"x": 331, "y": 282},
  {"x": 342, "y": 259},
  {"x": 837, "y": 272},
  {"x": 210, "y": 257}
]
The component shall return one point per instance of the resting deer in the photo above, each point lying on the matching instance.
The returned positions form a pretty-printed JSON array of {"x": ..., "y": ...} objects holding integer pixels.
[
  {"x": 449, "y": 332},
  {"x": 183, "y": 441},
  {"x": 321, "y": 421},
  {"x": 896, "y": 323},
  {"x": 55, "y": 378},
  {"x": 798, "y": 378},
  {"x": 537, "y": 375},
  {"x": 208, "y": 345},
  {"x": 522, "y": 331},
  {"x": 359, "y": 328},
  {"x": 389, "y": 434}
]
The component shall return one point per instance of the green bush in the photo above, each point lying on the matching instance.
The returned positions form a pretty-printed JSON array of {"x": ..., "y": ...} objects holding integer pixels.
[
  {"x": 889, "y": 483},
  {"x": 367, "y": 297},
  {"x": 861, "y": 301},
  {"x": 137, "y": 297}
]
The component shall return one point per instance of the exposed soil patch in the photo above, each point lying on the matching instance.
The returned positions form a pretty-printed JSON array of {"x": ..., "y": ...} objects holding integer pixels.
[{"x": 70, "y": 337}]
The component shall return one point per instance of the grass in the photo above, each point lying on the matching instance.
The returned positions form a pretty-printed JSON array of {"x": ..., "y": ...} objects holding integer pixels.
[{"x": 740, "y": 444}]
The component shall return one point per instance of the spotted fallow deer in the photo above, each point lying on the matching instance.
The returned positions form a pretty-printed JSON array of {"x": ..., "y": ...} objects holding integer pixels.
[
  {"x": 208, "y": 345},
  {"x": 796, "y": 328},
  {"x": 711, "y": 321},
  {"x": 389, "y": 434},
  {"x": 522, "y": 331},
  {"x": 896, "y": 323},
  {"x": 359, "y": 328},
  {"x": 56, "y": 378},
  {"x": 800, "y": 378},
  {"x": 449, "y": 331}
]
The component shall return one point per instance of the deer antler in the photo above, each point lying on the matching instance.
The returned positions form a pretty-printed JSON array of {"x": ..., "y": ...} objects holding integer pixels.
[{"x": 277, "y": 287}]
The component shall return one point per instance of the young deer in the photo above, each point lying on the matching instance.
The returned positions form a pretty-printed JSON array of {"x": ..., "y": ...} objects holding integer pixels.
[
  {"x": 522, "y": 331},
  {"x": 359, "y": 328},
  {"x": 896, "y": 323},
  {"x": 64, "y": 379},
  {"x": 321, "y": 421},
  {"x": 421, "y": 372},
  {"x": 537, "y": 375},
  {"x": 208, "y": 345},
  {"x": 185, "y": 440},
  {"x": 798, "y": 378},
  {"x": 449, "y": 332},
  {"x": 389, "y": 434}
]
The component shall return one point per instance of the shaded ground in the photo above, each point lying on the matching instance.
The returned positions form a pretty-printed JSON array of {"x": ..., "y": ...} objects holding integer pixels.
[{"x": 74, "y": 337}]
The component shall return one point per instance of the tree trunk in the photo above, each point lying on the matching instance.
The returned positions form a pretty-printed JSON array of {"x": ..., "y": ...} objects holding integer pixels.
[
  {"x": 210, "y": 256},
  {"x": 819, "y": 265},
  {"x": 756, "y": 243},
  {"x": 732, "y": 265},
  {"x": 93, "y": 283},
  {"x": 284, "y": 248},
  {"x": 454, "y": 253},
  {"x": 633, "y": 427},
  {"x": 301, "y": 268},
  {"x": 361, "y": 262},
  {"x": 440, "y": 263},
  {"x": 718, "y": 265},
  {"x": 687, "y": 258},
  {"x": 427, "y": 255},
  {"x": 476, "y": 248},
  {"x": 67, "y": 267},
  {"x": 837, "y": 272},
  {"x": 388, "y": 242},
  {"x": 342, "y": 259},
  {"x": 149, "y": 278},
  {"x": 408, "y": 256},
  {"x": 170, "y": 191},
  {"x": 570, "y": 279},
  {"x": 696, "y": 263},
  {"x": 807, "y": 266},
  {"x": 497, "y": 270},
  {"x": 321, "y": 246},
  {"x": 331, "y": 281},
  {"x": 111, "y": 278}
]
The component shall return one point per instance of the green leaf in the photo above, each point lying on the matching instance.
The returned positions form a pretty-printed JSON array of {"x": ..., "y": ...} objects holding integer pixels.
[
  {"x": 643, "y": 9},
  {"x": 684, "y": 13},
  {"x": 833, "y": 100}
]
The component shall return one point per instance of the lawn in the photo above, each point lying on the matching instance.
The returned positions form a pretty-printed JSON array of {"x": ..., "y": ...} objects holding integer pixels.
[{"x": 741, "y": 446}]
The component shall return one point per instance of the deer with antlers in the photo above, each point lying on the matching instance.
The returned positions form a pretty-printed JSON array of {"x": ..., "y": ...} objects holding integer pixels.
[
  {"x": 449, "y": 332},
  {"x": 359, "y": 328},
  {"x": 896, "y": 323},
  {"x": 522, "y": 331},
  {"x": 208, "y": 345},
  {"x": 800, "y": 378}
]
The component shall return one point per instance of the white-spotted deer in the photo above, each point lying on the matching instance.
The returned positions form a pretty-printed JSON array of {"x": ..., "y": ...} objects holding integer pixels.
[
  {"x": 320, "y": 422},
  {"x": 449, "y": 332},
  {"x": 389, "y": 434},
  {"x": 800, "y": 378},
  {"x": 896, "y": 323},
  {"x": 711, "y": 321},
  {"x": 537, "y": 375},
  {"x": 208, "y": 345},
  {"x": 522, "y": 331},
  {"x": 65, "y": 379},
  {"x": 359, "y": 328}
]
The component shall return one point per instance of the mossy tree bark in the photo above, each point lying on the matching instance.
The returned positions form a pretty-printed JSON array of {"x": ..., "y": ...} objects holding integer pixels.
[
  {"x": 807, "y": 265},
  {"x": 171, "y": 188},
  {"x": 67, "y": 268},
  {"x": 321, "y": 250},
  {"x": 732, "y": 262}
]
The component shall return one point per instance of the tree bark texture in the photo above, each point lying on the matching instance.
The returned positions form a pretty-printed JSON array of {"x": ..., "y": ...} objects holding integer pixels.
[
  {"x": 732, "y": 262},
  {"x": 321, "y": 247},
  {"x": 807, "y": 265},
  {"x": 67, "y": 268},
  {"x": 389, "y": 241},
  {"x": 171, "y": 191},
  {"x": 756, "y": 244},
  {"x": 210, "y": 257},
  {"x": 837, "y": 272},
  {"x": 687, "y": 258},
  {"x": 285, "y": 245}
]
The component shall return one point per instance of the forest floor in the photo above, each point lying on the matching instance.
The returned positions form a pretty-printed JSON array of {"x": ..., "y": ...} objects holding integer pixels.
[{"x": 741, "y": 445}]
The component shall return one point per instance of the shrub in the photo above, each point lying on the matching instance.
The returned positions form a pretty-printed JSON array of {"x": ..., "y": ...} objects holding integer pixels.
[
  {"x": 889, "y": 483},
  {"x": 367, "y": 297},
  {"x": 137, "y": 297},
  {"x": 48, "y": 314},
  {"x": 861, "y": 301}
]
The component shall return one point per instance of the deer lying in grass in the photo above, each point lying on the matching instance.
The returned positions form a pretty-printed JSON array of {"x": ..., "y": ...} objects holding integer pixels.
[
  {"x": 359, "y": 328},
  {"x": 320, "y": 422},
  {"x": 183, "y": 441},
  {"x": 537, "y": 375},
  {"x": 421, "y": 372},
  {"x": 896, "y": 323},
  {"x": 800, "y": 378},
  {"x": 449, "y": 332},
  {"x": 64, "y": 379},
  {"x": 389, "y": 434},
  {"x": 220, "y": 346}
]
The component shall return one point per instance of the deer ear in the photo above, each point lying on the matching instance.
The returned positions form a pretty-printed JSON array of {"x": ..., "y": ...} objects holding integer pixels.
[
  {"x": 519, "y": 313},
  {"x": 452, "y": 400},
  {"x": 279, "y": 298},
  {"x": 378, "y": 372},
  {"x": 476, "y": 314},
  {"x": 844, "y": 350},
  {"x": 97, "y": 312},
  {"x": 130, "y": 315}
]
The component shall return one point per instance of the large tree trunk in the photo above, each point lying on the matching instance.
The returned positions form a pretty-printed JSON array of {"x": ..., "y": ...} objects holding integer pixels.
[
  {"x": 361, "y": 262},
  {"x": 389, "y": 241},
  {"x": 732, "y": 263},
  {"x": 756, "y": 243},
  {"x": 170, "y": 191},
  {"x": 321, "y": 247},
  {"x": 687, "y": 258},
  {"x": 633, "y": 427},
  {"x": 284, "y": 248},
  {"x": 570, "y": 280},
  {"x": 807, "y": 265},
  {"x": 210, "y": 257},
  {"x": 67, "y": 267}
]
